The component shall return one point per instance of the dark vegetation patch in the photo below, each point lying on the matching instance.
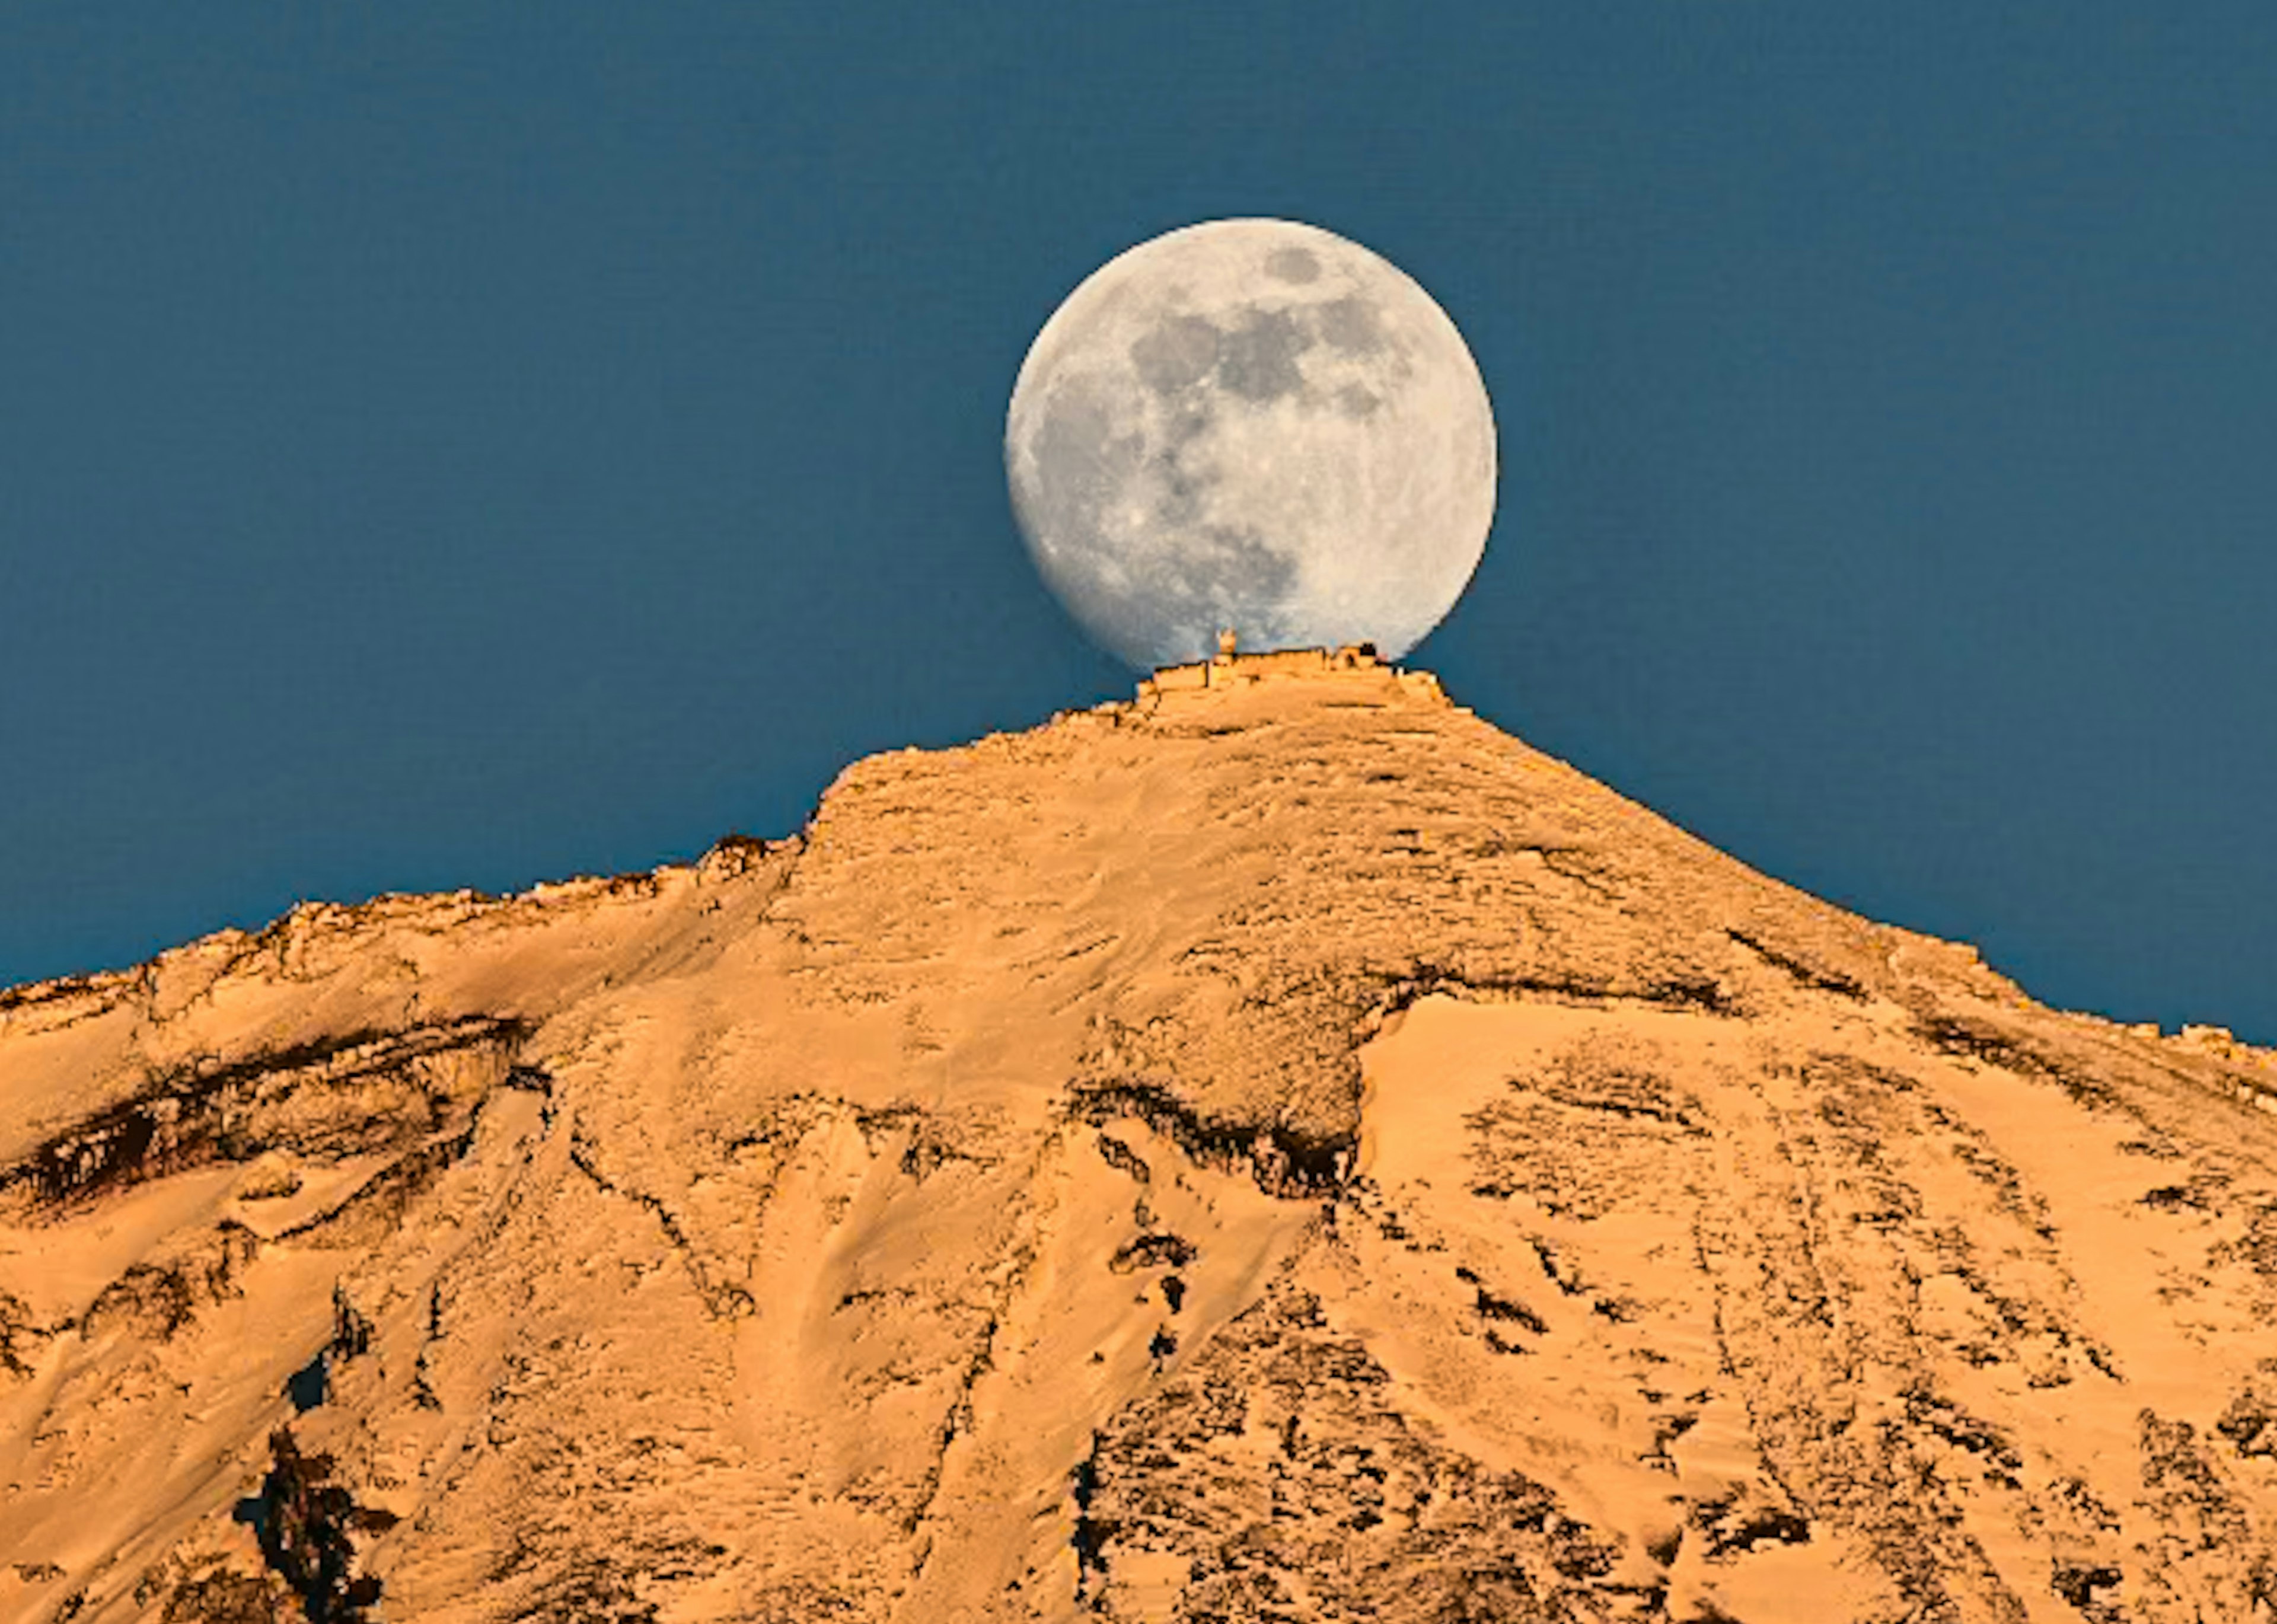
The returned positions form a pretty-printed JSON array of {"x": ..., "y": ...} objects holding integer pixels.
[
  {"x": 558, "y": 1576},
  {"x": 1763, "y": 1526},
  {"x": 379, "y": 1204},
  {"x": 2258, "y": 1246},
  {"x": 2171, "y": 1463},
  {"x": 1327, "y": 1503},
  {"x": 929, "y": 1142},
  {"x": 733, "y": 855},
  {"x": 1591, "y": 1129},
  {"x": 1090, "y": 1538},
  {"x": 1509, "y": 1311}
]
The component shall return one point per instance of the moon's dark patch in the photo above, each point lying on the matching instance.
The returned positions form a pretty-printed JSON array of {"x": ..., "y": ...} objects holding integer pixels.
[
  {"x": 1177, "y": 355},
  {"x": 1292, "y": 265},
  {"x": 1182, "y": 502},
  {"x": 1189, "y": 420},
  {"x": 1223, "y": 574},
  {"x": 1258, "y": 359},
  {"x": 1227, "y": 575},
  {"x": 1089, "y": 463},
  {"x": 1349, "y": 325}
]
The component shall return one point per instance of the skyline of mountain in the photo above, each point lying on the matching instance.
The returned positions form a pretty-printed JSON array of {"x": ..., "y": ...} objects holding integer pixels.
[{"x": 1284, "y": 1149}]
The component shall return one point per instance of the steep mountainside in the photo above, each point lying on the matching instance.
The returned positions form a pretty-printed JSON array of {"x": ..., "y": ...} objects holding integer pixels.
[{"x": 1281, "y": 1152}]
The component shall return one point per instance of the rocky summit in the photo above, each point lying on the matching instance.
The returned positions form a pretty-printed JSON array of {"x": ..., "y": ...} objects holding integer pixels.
[{"x": 1278, "y": 1150}]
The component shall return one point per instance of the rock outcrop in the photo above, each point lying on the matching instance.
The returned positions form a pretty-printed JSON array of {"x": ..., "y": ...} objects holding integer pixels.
[{"x": 1280, "y": 1151}]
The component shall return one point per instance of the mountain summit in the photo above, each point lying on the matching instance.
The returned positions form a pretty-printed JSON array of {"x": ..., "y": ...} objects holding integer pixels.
[{"x": 1280, "y": 1149}]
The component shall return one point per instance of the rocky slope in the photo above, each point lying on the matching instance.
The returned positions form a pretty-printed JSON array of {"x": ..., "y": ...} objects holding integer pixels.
[{"x": 1283, "y": 1152}]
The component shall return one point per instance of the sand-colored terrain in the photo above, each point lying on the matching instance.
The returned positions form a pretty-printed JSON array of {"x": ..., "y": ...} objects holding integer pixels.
[{"x": 1285, "y": 1151}]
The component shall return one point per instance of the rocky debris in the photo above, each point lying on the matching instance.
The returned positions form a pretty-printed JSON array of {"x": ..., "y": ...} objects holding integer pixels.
[
  {"x": 1290, "y": 1152},
  {"x": 1274, "y": 1476},
  {"x": 326, "y": 1100},
  {"x": 309, "y": 1528},
  {"x": 224, "y": 1598},
  {"x": 155, "y": 1301}
]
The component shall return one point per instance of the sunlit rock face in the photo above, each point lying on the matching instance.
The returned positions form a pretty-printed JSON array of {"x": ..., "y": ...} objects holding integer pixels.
[{"x": 1280, "y": 1150}]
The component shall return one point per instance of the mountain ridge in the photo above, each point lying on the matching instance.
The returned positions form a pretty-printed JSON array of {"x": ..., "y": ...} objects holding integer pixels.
[{"x": 1087, "y": 1097}]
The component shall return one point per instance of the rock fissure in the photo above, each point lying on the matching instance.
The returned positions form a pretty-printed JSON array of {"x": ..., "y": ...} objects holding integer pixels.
[{"x": 231, "y": 1111}]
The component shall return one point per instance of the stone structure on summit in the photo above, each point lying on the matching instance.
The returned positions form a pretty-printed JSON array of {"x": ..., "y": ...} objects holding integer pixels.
[{"x": 1232, "y": 668}]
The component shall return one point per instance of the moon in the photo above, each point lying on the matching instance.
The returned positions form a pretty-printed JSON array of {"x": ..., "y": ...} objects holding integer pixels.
[{"x": 1251, "y": 425}]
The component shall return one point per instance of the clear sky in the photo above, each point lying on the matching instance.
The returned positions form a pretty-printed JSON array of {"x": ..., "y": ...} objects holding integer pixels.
[{"x": 461, "y": 444}]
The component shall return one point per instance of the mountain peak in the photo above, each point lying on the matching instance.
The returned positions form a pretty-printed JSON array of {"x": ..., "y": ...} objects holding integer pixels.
[{"x": 1277, "y": 1148}]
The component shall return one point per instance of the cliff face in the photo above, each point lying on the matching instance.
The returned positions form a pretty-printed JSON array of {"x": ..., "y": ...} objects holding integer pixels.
[{"x": 1289, "y": 1152}]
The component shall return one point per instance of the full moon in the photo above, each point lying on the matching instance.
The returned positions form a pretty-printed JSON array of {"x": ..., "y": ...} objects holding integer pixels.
[{"x": 1253, "y": 426}]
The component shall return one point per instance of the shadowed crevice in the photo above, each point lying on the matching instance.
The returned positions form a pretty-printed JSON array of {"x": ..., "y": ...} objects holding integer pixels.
[{"x": 205, "y": 1113}]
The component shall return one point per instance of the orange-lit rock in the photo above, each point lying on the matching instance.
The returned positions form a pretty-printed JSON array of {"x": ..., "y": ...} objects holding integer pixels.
[{"x": 1282, "y": 1149}]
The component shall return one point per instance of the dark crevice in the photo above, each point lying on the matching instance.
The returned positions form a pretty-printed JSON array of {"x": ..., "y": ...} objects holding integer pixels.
[
  {"x": 1510, "y": 1312},
  {"x": 1123, "y": 1158},
  {"x": 351, "y": 1330},
  {"x": 385, "y": 1197},
  {"x": 720, "y": 1302},
  {"x": 108, "y": 987},
  {"x": 307, "y": 1526},
  {"x": 956, "y": 1422},
  {"x": 1091, "y": 1534},
  {"x": 1285, "y": 1161},
  {"x": 20, "y": 1333},
  {"x": 200, "y": 1114},
  {"x": 308, "y": 1386},
  {"x": 1808, "y": 974},
  {"x": 1507, "y": 1310},
  {"x": 1972, "y": 1039},
  {"x": 1683, "y": 991}
]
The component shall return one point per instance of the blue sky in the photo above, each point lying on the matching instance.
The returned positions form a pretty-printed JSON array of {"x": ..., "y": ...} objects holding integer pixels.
[{"x": 458, "y": 445}]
